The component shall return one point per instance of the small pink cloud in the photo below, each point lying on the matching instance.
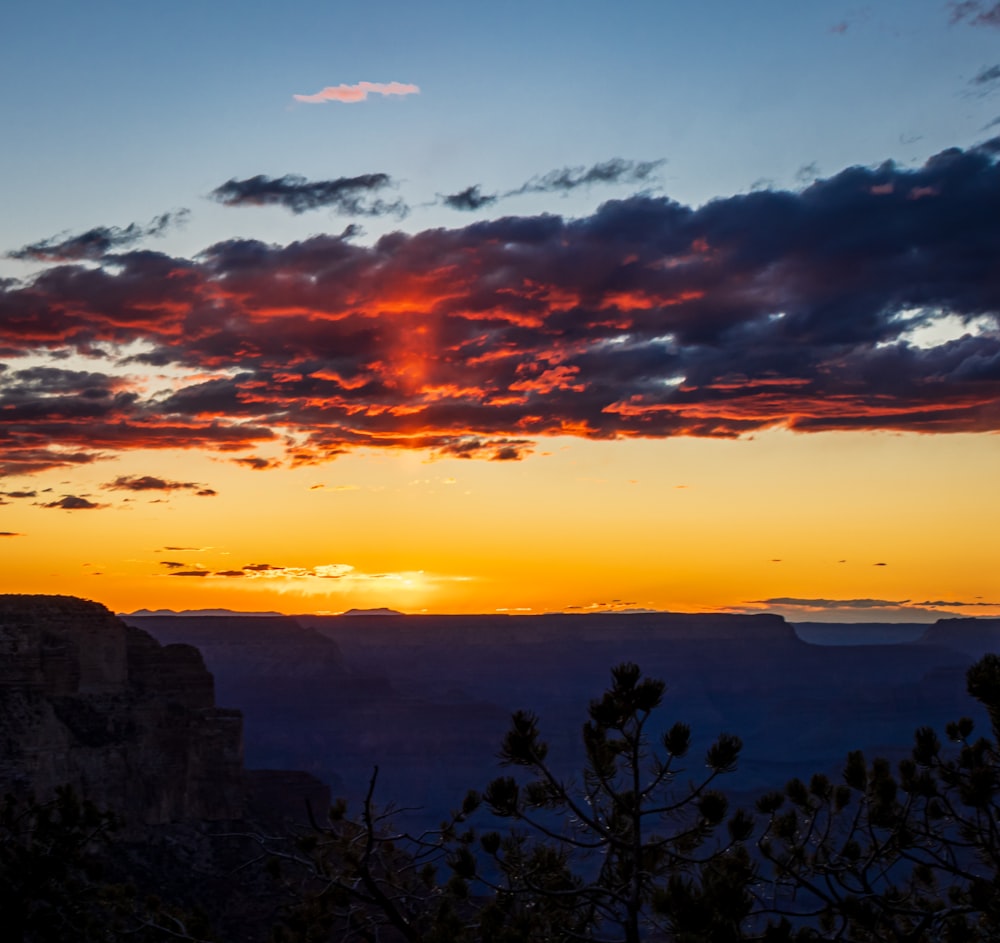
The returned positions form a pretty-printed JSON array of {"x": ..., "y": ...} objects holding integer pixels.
[{"x": 357, "y": 93}]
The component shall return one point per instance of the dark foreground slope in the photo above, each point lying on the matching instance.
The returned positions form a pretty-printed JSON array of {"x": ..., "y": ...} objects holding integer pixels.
[
  {"x": 428, "y": 698},
  {"x": 90, "y": 703}
]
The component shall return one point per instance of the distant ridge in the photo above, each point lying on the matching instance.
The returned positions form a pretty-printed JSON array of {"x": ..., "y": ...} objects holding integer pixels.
[
  {"x": 197, "y": 613},
  {"x": 973, "y": 636},
  {"x": 202, "y": 613},
  {"x": 383, "y": 611}
]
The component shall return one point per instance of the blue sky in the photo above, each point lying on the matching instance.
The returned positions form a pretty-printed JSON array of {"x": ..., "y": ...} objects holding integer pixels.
[{"x": 118, "y": 111}]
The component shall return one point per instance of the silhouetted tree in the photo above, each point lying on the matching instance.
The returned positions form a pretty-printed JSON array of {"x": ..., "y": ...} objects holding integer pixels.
[
  {"x": 911, "y": 855},
  {"x": 598, "y": 850},
  {"x": 367, "y": 880},
  {"x": 633, "y": 850},
  {"x": 582, "y": 861},
  {"x": 54, "y": 882}
]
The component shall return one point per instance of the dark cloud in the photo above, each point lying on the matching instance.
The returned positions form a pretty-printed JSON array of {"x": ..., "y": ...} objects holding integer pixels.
[
  {"x": 172, "y": 564},
  {"x": 471, "y": 198},
  {"x": 189, "y": 573},
  {"x": 261, "y": 567},
  {"x": 26, "y": 460},
  {"x": 348, "y": 196},
  {"x": 72, "y": 502},
  {"x": 152, "y": 483},
  {"x": 646, "y": 319},
  {"x": 497, "y": 450},
  {"x": 20, "y": 494},
  {"x": 807, "y": 173},
  {"x": 230, "y": 573},
  {"x": 986, "y": 76},
  {"x": 835, "y": 603},
  {"x": 10, "y": 533},
  {"x": 975, "y": 13},
  {"x": 96, "y": 243},
  {"x": 616, "y": 170},
  {"x": 257, "y": 463},
  {"x": 954, "y": 602}
]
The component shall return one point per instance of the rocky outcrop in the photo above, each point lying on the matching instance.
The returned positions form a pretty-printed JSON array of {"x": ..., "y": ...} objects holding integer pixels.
[{"x": 88, "y": 701}]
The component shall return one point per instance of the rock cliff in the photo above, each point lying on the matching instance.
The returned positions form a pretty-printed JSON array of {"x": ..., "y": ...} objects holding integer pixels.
[{"x": 88, "y": 701}]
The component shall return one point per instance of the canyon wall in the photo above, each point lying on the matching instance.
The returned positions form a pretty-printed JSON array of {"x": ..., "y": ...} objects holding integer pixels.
[{"x": 129, "y": 723}]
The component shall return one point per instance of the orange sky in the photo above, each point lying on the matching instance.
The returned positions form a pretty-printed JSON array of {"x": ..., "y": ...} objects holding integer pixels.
[
  {"x": 782, "y": 399},
  {"x": 684, "y": 524}
]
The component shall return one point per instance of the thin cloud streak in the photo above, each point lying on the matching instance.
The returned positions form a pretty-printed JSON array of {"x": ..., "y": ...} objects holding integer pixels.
[
  {"x": 72, "y": 502},
  {"x": 986, "y": 76},
  {"x": 975, "y": 13},
  {"x": 563, "y": 180},
  {"x": 616, "y": 170},
  {"x": 97, "y": 243},
  {"x": 348, "y": 196},
  {"x": 140, "y": 483},
  {"x": 350, "y": 94},
  {"x": 470, "y": 199}
]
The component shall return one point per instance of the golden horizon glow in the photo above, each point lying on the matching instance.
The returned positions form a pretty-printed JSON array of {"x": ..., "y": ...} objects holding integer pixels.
[{"x": 683, "y": 525}]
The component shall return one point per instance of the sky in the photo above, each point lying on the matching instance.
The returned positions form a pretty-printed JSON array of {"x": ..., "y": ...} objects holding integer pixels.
[{"x": 465, "y": 308}]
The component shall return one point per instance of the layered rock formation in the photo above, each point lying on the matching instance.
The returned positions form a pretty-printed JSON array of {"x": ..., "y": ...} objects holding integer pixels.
[{"x": 87, "y": 701}]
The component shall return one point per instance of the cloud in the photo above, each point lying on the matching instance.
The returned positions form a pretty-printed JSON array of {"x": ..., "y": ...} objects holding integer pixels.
[
  {"x": 866, "y": 301},
  {"x": 471, "y": 198},
  {"x": 152, "y": 483},
  {"x": 10, "y": 533},
  {"x": 96, "y": 243},
  {"x": 797, "y": 609},
  {"x": 864, "y": 609},
  {"x": 172, "y": 564},
  {"x": 974, "y": 13},
  {"x": 72, "y": 502},
  {"x": 956, "y": 602},
  {"x": 616, "y": 170},
  {"x": 986, "y": 76},
  {"x": 257, "y": 463},
  {"x": 807, "y": 173},
  {"x": 615, "y": 605},
  {"x": 834, "y": 603},
  {"x": 357, "y": 93},
  {"x": 320, "y": 578},
  {"x": 348, "y": 196}
]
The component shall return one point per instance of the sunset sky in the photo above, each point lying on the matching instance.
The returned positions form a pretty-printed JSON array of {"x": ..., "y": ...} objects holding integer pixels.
[{"x": 532, "y": 307}]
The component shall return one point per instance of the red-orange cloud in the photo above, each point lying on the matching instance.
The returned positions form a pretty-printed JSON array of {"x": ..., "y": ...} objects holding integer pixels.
[{"x": 645, "y": 319}]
